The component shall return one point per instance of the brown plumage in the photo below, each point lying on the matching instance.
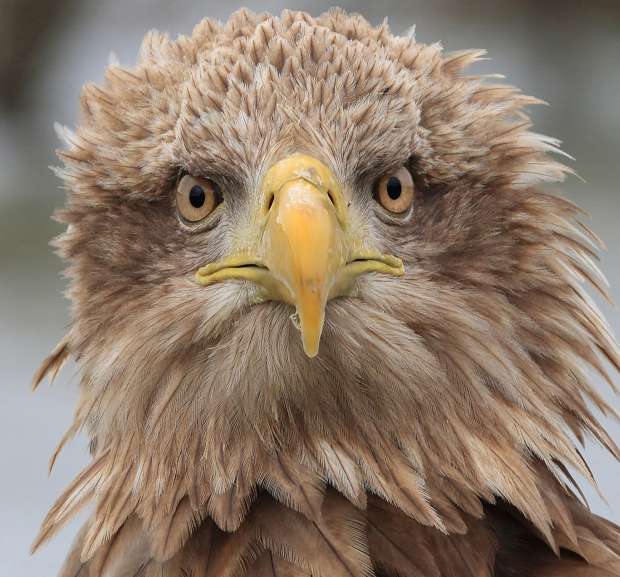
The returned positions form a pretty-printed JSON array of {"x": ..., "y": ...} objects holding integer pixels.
[{"x": 432, "y": 435}]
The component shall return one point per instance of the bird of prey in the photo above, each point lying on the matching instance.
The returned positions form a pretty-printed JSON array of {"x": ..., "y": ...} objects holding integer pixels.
[{"x": 328, "y": 320}]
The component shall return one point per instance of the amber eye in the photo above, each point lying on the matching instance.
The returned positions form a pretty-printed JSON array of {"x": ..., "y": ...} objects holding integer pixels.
[
  {"x": 196, "y": 197},
  {"x": 395, "y": 191}
]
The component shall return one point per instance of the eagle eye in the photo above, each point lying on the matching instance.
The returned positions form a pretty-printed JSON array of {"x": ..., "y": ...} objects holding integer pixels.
[
  {"x": 197, "y": 198},
  {"x": 395, "y": 191}
]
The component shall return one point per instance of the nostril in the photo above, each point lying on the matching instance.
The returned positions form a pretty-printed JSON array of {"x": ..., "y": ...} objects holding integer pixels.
[
  {"x": 270, "y": 202},
  {"x": 331, "y": 197}
]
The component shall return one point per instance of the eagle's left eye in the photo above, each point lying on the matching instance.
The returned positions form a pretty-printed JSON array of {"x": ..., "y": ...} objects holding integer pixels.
[
  {"x": 197, "y": 197},
  {"x": 395, "y": 191}
]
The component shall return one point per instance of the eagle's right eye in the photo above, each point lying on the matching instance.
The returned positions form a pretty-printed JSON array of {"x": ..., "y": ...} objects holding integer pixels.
[{"x": 197, "y": 197}]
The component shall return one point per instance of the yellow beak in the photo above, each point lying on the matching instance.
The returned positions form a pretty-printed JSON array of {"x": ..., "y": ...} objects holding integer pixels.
[
  {"x": 306, "y": 254},
  {"x": 303, "y": 244}
]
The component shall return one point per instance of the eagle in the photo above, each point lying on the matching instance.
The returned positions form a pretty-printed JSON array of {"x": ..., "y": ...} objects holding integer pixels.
[{"x": 329, "y": 320}]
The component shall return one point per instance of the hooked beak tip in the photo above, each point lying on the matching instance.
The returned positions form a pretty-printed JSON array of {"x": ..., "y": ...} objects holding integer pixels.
[{"x": 311, "y": 315}]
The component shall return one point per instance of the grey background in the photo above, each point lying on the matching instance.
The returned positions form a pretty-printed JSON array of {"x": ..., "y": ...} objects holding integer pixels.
[{"x": 564, "y": 52}]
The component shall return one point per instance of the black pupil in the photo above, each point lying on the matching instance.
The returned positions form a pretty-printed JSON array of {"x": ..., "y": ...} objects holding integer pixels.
[
  {"x": 197, "y": 196},
  {"x": 394, "y": 187}
]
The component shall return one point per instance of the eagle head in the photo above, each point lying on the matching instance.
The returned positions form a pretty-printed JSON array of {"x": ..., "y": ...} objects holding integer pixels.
[{"x": 308, "y": 244}]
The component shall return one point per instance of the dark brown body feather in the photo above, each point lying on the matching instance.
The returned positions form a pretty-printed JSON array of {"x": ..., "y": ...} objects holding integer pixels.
[{"x": 342, "y": 541}]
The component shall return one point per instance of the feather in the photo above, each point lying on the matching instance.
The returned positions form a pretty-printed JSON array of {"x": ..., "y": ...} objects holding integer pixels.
[
  {"x": 275, "y": 540},
  {"x": 173, "y": 531},
  {"x": 270, "y": 565},
  {"x": 335, "y": 545},
  {"x": 390, "y": 476},
  {"x": 229, "y": 508},
  {"x": 73, "y": 565},
  {"x": 401, "y": 546},
  {"x": 124, "y": 555},
  {"x": 294, "y": 486},
  {"x": 53, "y": 363},
  {"x": 342, "y": 472},
  {"x": 79, "y": 493},
  {"x": 394, "y": 541},
  {"x": 569, "y": 568}
]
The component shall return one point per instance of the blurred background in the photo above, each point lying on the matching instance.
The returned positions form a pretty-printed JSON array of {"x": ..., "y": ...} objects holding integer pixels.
[{"x": 567, "y": 53}]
